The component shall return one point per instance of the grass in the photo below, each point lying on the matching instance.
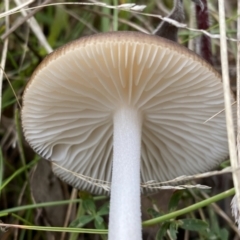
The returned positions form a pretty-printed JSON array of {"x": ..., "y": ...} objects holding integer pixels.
[{"x": 38, "y": 208}]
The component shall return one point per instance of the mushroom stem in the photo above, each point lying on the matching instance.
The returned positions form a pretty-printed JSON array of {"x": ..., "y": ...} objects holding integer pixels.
[{"x": 125, "y": 212}]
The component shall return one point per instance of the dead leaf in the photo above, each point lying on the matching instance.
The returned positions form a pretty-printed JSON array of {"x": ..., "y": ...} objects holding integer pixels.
[{"x": 46, "y": 187}]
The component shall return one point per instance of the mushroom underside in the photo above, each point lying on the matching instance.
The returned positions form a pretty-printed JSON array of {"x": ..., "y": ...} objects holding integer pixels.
[{"x": 70, "y": 121}]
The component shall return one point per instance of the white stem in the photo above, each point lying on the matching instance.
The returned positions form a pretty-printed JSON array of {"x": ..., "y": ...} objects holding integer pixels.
[{"x": 125, "y": 207}]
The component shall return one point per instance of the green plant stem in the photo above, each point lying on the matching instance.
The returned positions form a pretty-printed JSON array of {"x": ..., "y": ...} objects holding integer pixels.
[
  {"x": 191, "y": 208},
  {"x": 46, "y": 204},
  {"x": 154, "y": 221},
  {"x": 115, "y": 16},
  {"x": 105, "y": 21}
]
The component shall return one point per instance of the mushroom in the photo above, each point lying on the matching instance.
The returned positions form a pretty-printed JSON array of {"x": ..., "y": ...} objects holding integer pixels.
[{"x": 130, "y": 103}]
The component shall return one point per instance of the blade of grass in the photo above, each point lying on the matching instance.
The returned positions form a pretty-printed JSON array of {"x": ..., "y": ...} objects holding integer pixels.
[
  {"x": 19, "y": 140},
  {"x": 21, "y": 219},
  {"x": 56, "y": 229},
  {"x": 46, "y": 204},
  {"x": 4, "y": 55},
  {"x": 17, "y": 172},
  {"x": 1, "y": 169}
]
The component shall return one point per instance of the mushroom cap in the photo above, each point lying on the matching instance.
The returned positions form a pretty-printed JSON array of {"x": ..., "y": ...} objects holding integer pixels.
[{"x": 70, "y": 100}]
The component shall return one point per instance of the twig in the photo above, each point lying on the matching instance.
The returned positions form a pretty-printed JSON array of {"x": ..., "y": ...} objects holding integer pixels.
[{"x": 227, "y": 98}]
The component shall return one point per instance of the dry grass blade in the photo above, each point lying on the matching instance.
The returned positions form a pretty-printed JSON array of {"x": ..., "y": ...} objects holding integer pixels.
[
  {"x": 35, "y": 28},
  {"x": 184, "y": 178},
  {"x": 235, "y": 200},
  {"x": 177, "y": 183},
  {"x": 227, "y": 98},
  {"x": 16, "y": 9},
  {"x": 22, "y": 20},
  {"x": 9, "y": 82},
  {"x": 126, "y": 6},
  {"x": 215, "y": 115},
  {"x": 121, "y": 20},
  {"x": 184, "y": 26}
]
